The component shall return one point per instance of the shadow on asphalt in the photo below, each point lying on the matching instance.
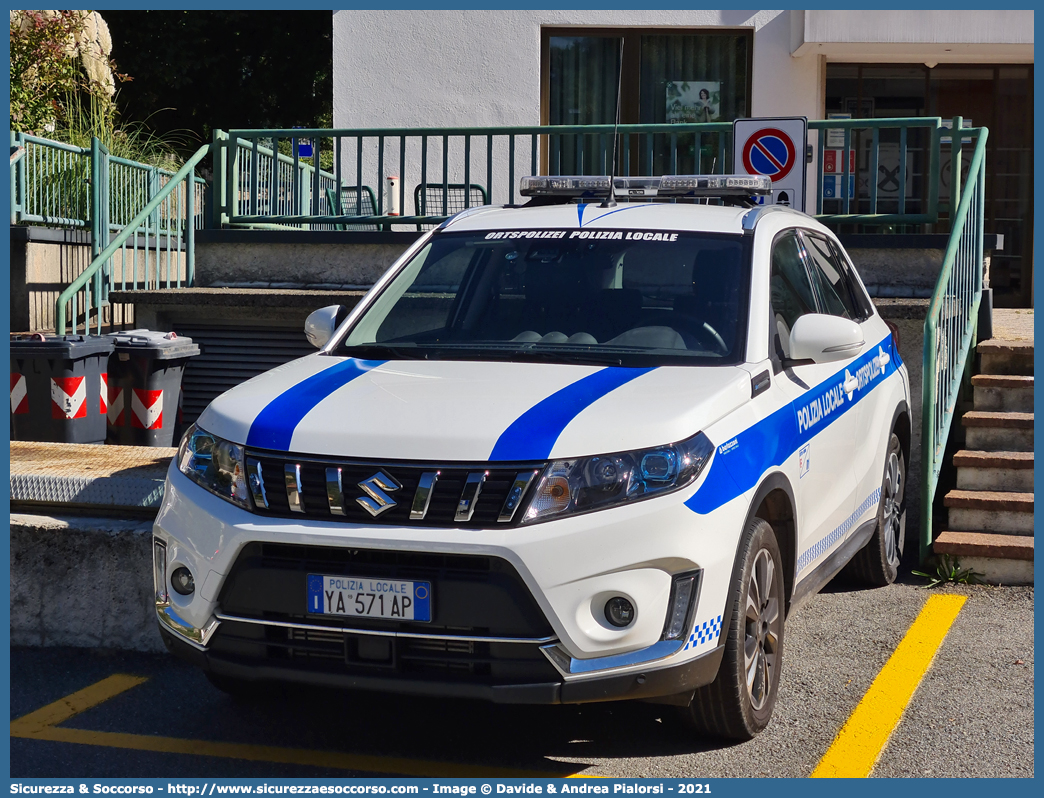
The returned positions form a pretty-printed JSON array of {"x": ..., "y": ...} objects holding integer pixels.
[{"x": 177, "y": 701}]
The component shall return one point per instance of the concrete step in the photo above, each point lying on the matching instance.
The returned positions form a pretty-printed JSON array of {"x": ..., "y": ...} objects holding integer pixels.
[
  {"x": 999, "y": 356},
  {"x": 995, "y": 431},
  {"x": 990, "y": 511},
  {"x": 1003, "y": 471},
  {"x": 66, "y": 477},
  {"x": 1008, "y": 392},
  {"x": 1000, "y": 559}
]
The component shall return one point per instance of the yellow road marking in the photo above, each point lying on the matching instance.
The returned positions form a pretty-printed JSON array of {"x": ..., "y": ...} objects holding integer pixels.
[
  {"x": 861, "y": 740},
  {"x": 43, "y": 725},
  {"x": 61, "y": 710}
]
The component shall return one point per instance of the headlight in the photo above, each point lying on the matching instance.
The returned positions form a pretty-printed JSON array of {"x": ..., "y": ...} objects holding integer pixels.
[
  {"x": 595, "y": 483},
  {"x": 215, "y": 464}
]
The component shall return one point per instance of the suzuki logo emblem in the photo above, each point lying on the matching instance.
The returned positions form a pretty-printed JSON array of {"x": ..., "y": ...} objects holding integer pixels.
[{"x": 377, "y": 488}]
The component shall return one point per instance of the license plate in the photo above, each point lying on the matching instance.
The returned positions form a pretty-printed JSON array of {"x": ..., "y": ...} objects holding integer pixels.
[{"x": 368, "y": 597}]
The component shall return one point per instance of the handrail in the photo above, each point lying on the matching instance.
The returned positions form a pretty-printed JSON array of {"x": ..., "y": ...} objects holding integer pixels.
[
  {"x": 248, "y": 194},
  {"x": 129, "y": 229},
  {"x": 933, "y": 122},
  {"x": 950, "y": 328},
  {"x": 517, "y": 130}
]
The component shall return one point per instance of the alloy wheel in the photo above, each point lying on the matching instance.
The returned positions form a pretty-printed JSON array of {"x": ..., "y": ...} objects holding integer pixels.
[
  {"x": 763, "y": 625},
  {"x": 892, "y": 499}
]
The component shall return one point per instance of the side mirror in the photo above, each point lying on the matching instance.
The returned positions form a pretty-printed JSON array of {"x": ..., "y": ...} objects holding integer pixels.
[
  {"x": 824, "y": 339},
  {"x": 323, "y": 323}
]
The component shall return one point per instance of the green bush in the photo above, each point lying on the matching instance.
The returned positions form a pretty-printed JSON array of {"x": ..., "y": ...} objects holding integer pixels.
[{"x": 44, "y": 67}]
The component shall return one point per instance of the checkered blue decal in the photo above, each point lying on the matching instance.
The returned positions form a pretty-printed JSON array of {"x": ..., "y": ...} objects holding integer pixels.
[
  {"x": 821, "y": 547},
  {"x": 704, "y": 634}
]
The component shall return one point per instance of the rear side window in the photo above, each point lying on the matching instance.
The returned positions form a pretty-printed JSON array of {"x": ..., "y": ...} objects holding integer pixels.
[
  {"x": 844, "y": 265},
  {"x": 834, "y": 284},
  {"x": 791, "y": 291}
]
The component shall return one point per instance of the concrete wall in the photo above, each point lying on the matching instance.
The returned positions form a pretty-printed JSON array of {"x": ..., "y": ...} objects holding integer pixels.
[
  {"x": 908, "y": 315},
  {"x": 79, "y": 581},
  {"x": 278, "y": 265},
  {"x": 45, "y": 261}
]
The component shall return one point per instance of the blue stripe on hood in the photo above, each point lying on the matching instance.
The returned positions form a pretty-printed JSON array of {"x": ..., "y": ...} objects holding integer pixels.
[
  {"x": 533, "y": 434},
  {"x": 274, "y": 426}
]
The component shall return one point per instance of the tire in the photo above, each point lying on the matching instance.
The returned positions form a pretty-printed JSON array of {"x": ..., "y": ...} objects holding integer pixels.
[
  {"x": 877, "y": 563},
  {"x": 728, "y": 707}
]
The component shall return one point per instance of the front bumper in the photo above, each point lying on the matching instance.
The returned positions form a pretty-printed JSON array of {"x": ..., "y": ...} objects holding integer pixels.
[
  {"x": 678, "y": 680},
  {"x": 561, "y": 574}
]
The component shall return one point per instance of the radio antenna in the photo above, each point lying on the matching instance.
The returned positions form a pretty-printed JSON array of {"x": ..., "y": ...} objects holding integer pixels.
[{"x": 610, "y": 197}]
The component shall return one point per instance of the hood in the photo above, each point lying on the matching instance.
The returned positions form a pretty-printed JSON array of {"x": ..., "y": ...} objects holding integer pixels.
[{"x": 446, "y": 411}]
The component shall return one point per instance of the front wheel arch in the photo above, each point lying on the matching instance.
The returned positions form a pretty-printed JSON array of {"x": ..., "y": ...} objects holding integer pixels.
[{"x": 773, "y": 502}]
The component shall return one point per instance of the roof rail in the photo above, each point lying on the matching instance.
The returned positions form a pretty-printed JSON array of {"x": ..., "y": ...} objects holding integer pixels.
[
  {"x": 468, "y": 212},
  {"x": 754, "y": 215}
]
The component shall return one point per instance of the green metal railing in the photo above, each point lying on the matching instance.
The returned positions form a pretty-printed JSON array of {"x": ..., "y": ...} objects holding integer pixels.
[
  {"x": 950, "y": 327},
  {"x": 59, "y": 185},
  {"x": 50, "y": 183},
  {"x": 173, "y": 211},
  {"x": 914, "y": 147},
  {"x": 886, "y": 171},
  {"x": 251, "y": 189}
]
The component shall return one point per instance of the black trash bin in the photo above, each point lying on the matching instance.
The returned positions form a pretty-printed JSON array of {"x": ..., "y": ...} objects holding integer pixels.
[
  {"x": 145, "y": 372},
  {"x": 58, "y": 388}
]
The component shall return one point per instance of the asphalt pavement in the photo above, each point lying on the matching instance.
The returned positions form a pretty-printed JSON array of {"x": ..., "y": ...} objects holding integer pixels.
[{"x": 971, "y": 716}]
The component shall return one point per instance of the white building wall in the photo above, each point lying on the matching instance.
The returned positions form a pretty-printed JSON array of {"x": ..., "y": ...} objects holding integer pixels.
[
  {"x": 475, "y": 68},
  {"x": 930, "y": 37},
  {"x": 482, "y": 68},
  {"x": 395, "y": 68},
  {"x": 920, "y": 27}
]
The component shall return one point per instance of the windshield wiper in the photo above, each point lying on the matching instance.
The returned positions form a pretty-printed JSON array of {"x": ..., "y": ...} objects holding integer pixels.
[
  {"x": 386, "y": 352},
  {"x": 512, "y": 354},
  {"x": 567, "y": 357}
]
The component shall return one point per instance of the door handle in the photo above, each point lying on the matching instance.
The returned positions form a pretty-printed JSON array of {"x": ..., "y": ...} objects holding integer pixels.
[
  {"x": 851, "y": 383},
  {"x": 883, "y": 358}
]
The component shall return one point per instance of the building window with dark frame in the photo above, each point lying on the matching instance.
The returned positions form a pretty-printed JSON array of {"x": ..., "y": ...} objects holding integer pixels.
[
  {"x": 668, "y": 76},
  {"x": 996, "y": 96}
]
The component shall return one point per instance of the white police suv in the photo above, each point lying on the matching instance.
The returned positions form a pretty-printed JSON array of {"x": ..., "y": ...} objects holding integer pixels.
[{"x": 565, "y": 452}]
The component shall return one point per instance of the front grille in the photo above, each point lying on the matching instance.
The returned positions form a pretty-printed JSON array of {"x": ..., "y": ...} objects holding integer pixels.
[
  {"x": 472, "y": 596},
  {"x": 441, "y": 511},
  {"x": 340, "y": 653},
  {"x": 312, "y": 644}
]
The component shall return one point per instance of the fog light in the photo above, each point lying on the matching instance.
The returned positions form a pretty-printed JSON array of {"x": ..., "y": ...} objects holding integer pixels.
[
  {"x": 619, "y": 611},
  {"x": 182, "y": 582}
]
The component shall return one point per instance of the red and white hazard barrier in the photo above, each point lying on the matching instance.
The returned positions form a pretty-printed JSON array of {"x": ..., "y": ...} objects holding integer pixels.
[
  {"x": 19, "y": 396},
  {"x": 116, "y": 405},
  {"x": 103, "y": 395},
  {"x": 68, "y": 397},
  {"x": 146, "y": 409}
]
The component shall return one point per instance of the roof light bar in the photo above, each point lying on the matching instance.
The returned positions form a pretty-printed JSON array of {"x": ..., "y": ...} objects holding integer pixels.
[{"x": 644, "y": 187}]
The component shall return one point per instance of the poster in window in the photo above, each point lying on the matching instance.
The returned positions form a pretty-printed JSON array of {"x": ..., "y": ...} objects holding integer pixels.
[{"x": 693, "y": 101}]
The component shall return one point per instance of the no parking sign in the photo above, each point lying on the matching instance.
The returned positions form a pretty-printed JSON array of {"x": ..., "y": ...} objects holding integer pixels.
[{"x": 774, "y": 147}]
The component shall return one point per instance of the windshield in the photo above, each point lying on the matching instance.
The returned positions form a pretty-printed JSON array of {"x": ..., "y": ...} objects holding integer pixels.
[{"x": 622, "y": 297}]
